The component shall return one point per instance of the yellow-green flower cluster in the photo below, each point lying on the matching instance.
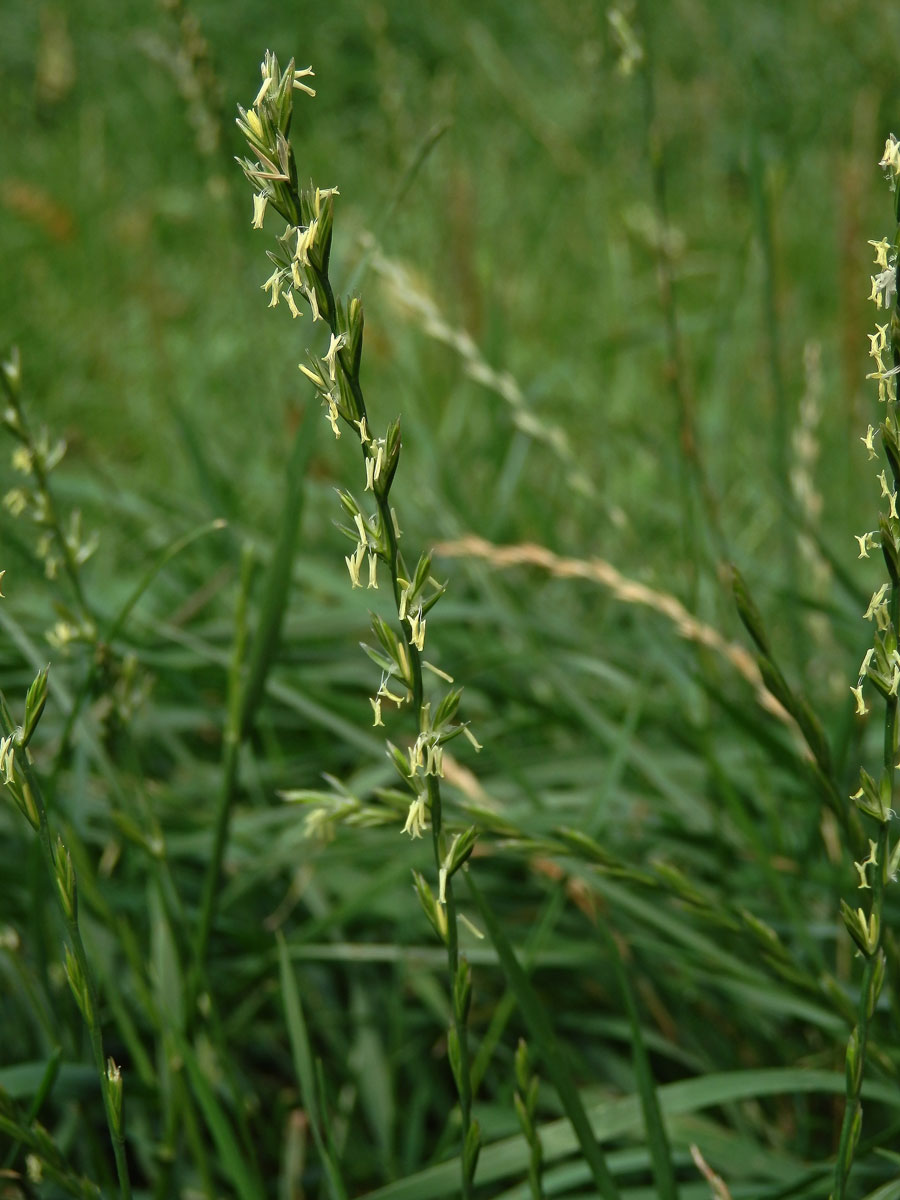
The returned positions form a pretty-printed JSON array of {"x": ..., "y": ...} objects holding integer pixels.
[
  {"x": 61, "y": 547},
  {"x": 300, "y": 272},
  {"x": 876, "y": 795},
  {"x": 881, "y": 664}
]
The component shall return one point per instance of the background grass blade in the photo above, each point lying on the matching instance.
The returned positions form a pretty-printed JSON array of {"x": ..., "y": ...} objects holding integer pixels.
[
  {"x": 277, "y": 577},
  {"x": 305, "y": 1068},
  {"x": 545, "y": 1042},
  {"x": 232, "y": 1165},
  {"x": 654, "y": 1126}
]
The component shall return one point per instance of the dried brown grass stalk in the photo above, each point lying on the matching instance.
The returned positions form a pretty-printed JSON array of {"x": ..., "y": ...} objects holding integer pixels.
[{"x": 628, "y": 591}]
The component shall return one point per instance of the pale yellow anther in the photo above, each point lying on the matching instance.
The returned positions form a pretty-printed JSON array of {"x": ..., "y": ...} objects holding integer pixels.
[
  {"x": 260, "y": 200},
  {"x": 332, "y": 413},
  {"x": 299, "y": 85},
  {"x": 254, "y": 123},
  {"x": 337, "y": 342},
  {"x": 323, "y": 194},
  {"x": 306, "y": 238},
  {"x": 354, "y": 562},
  {"x": 435, "y": 763},
  {"x": 437, "y": 671},
  {"x": 878, "y": 599},
  {"x": 273, "y": 285},
  {"x": 467, "y": 732},
  {"x": 417, "y": 629},
  {"x": 9, "y": 761},
  {"x": 404, "y": 660},
  {"x": 387, "y": 694},
  {"x": 890, "y": 160},
  {"x": 311, "y": 375},
  {"x": 416, "y": 758},
  {"x": 866, "y": 543},
  {"x": 881, "y": 251},
  {"x": 417, "y": 818}
]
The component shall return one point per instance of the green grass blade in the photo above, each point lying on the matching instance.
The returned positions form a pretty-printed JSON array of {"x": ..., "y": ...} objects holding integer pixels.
[
  {"x": 423, "y": 150},
  {"x": 215, "y": 486},
  {"x": 305, "y": 1069},
  {"x": 237, "y": 1171},
  {"x": 887, "y": 1191},
  {"x": 542, "y": 1033},
  {"x": 505, "y": 1006},
  {"x": 44, "y": 1088},
  {"x": 165, "y": 556},
  {"x": 657, "y": 1138},
  {"x": 278, "y": 574},
  {"x": 617, "y": 1118}
]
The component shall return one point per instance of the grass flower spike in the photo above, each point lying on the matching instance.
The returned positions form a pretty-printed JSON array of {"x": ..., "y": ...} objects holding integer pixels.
[
  {"x": 876, "y": 796},
  {"x": 301, "y": 274}
]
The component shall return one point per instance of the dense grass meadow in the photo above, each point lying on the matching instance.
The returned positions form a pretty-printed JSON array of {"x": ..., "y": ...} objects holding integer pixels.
[{"x": 614, "y": 263}]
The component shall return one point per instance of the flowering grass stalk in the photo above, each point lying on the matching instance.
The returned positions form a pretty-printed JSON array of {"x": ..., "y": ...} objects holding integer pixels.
[
  {"x": 21, "y": 785},
  {"x": 876, "y": 795},
  {"x": 63, "y": 548},
  {"x": 301, "y": 277},
  {"x": 525, "y": 1101},
  {"x": 62, "y": 551}
]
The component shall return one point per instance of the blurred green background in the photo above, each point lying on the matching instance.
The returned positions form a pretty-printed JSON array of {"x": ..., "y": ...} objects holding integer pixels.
[
  {"x": 558, "y": 196},
  {"x": 534, "y": 224},
  {"x": 131, "y": 267}
]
